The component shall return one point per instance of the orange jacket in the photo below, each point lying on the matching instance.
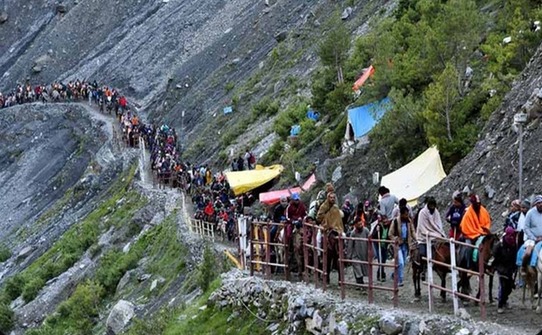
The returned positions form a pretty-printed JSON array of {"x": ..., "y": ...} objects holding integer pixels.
[{"x": 473, "y": 225}]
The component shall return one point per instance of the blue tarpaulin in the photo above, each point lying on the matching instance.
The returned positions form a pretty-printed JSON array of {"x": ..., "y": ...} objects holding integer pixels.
[
  {"x": 311, "y": 114},
  {"x": 228, "y": 110},
  {"x": 363, "y": 119},
  {"x": 295, "y": 130}
]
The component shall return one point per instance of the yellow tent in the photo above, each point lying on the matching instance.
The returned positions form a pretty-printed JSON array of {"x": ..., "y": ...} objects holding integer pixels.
[
  {"x": 417, "y": 177},
  {"x": 244, "y": 181}
]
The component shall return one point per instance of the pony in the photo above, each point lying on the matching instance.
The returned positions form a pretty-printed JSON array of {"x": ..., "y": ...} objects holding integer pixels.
[
  {"x": 486, "y": 253},
  {"x": 441, "y": 253},
  {"x": 532, "y": 276}
]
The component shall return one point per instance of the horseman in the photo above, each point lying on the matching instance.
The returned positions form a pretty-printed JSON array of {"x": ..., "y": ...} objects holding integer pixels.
[
  {"x": 295, "y": 213},
  {"x": 475, "y": 223},
  {"x": 533, "y": 229},
  {"x": 330, "y": 218},
  {"x": 429, "y": 224}
]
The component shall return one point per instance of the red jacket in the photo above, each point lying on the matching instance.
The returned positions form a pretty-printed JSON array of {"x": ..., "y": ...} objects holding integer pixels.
[
  {"x": 294, "y": 213},
  {"x": 209, "y": 209}
]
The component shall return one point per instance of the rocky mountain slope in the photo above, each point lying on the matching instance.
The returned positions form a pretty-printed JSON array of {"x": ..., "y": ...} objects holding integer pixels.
[
  {"x": 492, "y": 168},
  {"x": 78, "y": 221},
  {"x": 174, "y": 58}
]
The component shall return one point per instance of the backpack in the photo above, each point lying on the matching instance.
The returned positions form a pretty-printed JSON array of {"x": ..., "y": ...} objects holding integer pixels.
[{"x": 251, "y": 158}]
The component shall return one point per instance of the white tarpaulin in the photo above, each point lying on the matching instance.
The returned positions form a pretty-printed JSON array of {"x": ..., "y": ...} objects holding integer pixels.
[{"x": 417, "y": 177}]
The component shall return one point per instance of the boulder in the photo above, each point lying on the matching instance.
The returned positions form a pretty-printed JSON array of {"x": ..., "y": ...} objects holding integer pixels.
[
  {"x": 314, "y": 324},
  {"x": 25, "y": 252},
  {"x": 3, "y": 17},
  {"x": 61, "y": 8},
  {"x": 346, "y": 13},
  {"x": 389, "y": 326},
  {"x": 281, "y": 36},
  {"x": 120, "y": 316},
  {"x": 37, "y": 68}
]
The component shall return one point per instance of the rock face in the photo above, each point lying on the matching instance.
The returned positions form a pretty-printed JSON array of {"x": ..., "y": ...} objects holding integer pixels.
[
  {"x": 491, "y": 169},
  {"x": 120, "y": 316}
]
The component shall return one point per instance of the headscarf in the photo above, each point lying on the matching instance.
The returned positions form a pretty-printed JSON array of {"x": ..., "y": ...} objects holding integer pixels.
[
  {"x": 509, "y": 237},
  {"x": 475, "y": 199},
  {"x": 516, "y": 203},
  {"x": 537, "y": 200}
]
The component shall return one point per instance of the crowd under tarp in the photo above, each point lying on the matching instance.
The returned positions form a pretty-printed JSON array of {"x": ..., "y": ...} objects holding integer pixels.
[
  {"x": 273, "y": 197},
  {"x": 243, "y": 181},
  {"x": 417, "y": 177},
  {"x": 362, "y": 119}
]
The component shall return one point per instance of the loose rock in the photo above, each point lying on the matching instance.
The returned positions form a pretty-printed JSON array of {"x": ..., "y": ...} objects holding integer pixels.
[
  {"x": 281, "y": 36},
  {"x": 3, "y": 17},
  {"x": 346, "y": 13},
  {"x": 120, "y": 316}
]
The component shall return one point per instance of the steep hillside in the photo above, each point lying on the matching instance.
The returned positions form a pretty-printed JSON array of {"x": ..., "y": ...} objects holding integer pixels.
[
  {"x": 55, "y": 160},
  {"x": 491, "y": 169},
  {"x": 175, "y": 56}
]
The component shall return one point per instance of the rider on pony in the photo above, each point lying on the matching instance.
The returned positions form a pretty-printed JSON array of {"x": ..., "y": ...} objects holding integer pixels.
[
  {"x": 330, "y": 217},
  {"x": 429, "y": 224},
  {"x": 475, "y": 223}
]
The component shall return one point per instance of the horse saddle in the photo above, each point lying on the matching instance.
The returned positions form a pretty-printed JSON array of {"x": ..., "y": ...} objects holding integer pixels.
[{"x": 475, "y": 251}]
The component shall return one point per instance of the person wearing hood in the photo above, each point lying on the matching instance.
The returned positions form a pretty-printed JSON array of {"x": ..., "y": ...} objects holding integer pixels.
[
  {"x": 475, "y": 223},
  {"x": 330, "y": 216},
  {"x": 429, "y": 224}
]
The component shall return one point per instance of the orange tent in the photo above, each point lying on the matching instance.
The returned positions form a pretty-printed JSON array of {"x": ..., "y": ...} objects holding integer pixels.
[
  {"x": 273, "y": 197},
  {"x": 368, "y": 72}
]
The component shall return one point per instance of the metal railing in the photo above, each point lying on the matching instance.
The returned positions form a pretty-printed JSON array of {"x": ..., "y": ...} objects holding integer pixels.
[
  {"x": 370, "y": 286},
  {"x": 312, "y": 250},
  {"x": 261, "y": 247},
  {"x": 455, "y": 271}
]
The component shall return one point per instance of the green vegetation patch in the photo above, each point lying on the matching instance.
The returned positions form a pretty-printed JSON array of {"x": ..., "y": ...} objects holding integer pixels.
[
  {"x": 5, "y": 253},
  {"x": 78, "y": 314},
  {"x": 73, "y": 244}
]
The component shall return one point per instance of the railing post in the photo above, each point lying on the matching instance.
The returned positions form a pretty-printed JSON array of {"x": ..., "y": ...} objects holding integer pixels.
[
  {"x": 251, "y": 246},
  {"x": 370, "y": 270},
  {"x": 429, "y": 272},
  {"x": 286, "y": 253},
  {"x": 453, "y": 269},
  {"x": 305, "y": 253},
  {"x": 340, "y": 240},
  {"x": 396, "y": 273},
  {"x": 212, "y": 227},
  {"x": 482, "y": 283},
  {"x": 315, "y": 254},
  {"x": 266, "y": 237},
  {"x": 324, "y": 261}
]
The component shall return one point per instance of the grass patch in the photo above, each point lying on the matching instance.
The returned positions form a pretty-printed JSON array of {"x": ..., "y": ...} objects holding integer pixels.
[
  {"x": 5, "y": 253},
  {"x": 73, "y": 244},
  {"x": 78, "y": 314},
  {"x": 165, "y": 250}
]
